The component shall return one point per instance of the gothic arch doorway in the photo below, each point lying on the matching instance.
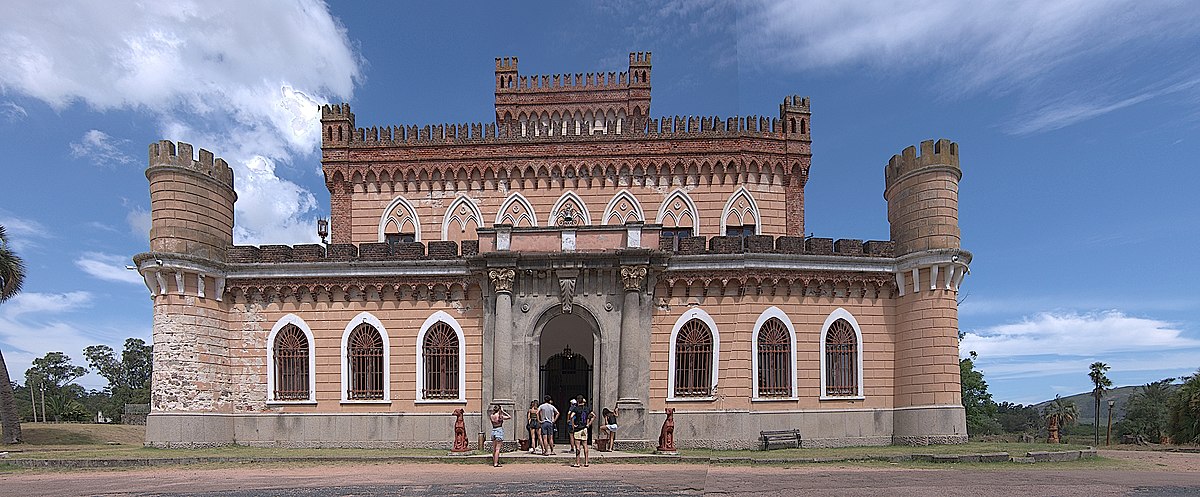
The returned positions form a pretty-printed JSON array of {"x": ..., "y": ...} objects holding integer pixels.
[{"x": 567, "y": 355}]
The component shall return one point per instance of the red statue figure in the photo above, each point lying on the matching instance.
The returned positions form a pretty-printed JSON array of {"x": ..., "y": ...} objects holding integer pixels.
[
  {"x": 460, "y": 432},
  {"x": 666, "y": 438}
]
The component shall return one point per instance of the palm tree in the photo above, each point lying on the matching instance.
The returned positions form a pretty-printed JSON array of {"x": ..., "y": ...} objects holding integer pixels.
[
  {"x": 12, "y": 275},
  {"x": 1101, "y": 383},
  {"x": 1059, "y": 412}
]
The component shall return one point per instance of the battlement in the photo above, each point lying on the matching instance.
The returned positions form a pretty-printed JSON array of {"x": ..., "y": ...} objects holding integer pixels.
[
  {"x": 794, "y": 103},
  {"x": 336, "y": 111},
  {"x": 942, "y": 152},
  {"x": 168, "y": 153},
  {"x": 665, "y": 127},
  {"x": 506, "y": 64},
  {"x": 508, "y": 79}
]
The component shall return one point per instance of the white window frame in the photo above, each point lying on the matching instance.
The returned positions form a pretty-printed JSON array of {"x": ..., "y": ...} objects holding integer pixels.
[
  {"x": 612, "y": 206},
  {"x": 837, "y": 314},
  {"x": 562, "y": 201},
  {"x": 366, "y": 317},
  {"x": 688, "y": 315},
  {"x": 518, "y": 198},
  {"x": 774, "y": 312},
  {"x": 444, "y": 317},
  {"x": 291, "y": 319},
  {"x": 753, "y": 210},
  {"x": 451, "y": 214},
  {"x": 687, "y": 199},
  {"x": 387, "y": 215}
]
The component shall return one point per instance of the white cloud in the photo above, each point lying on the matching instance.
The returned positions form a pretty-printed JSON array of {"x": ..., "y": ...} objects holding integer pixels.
[
  {"x": 108, "y": 267},
  {"x": 101, "y": 149},
  {"x": 138, "y": 220},
  {"x": 22, "y": 232},
  {"x": 213, "y": 73},
  {"x": 34, "y": 303},
  {"x": 1058, "y": 56},
  {"x": 1073, "y": 334},
  {"x": 12, "y": 112}
]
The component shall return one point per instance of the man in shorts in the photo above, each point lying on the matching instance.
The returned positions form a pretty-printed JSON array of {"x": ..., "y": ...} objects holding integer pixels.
[
  {"x": 581, "y": 419},
  {"x": 547, "y": 416}
]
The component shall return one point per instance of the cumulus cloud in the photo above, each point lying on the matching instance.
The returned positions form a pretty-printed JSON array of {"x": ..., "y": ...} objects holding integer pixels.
[
  {"x": 101, "y": 149},
  {"x": 212, "y": 72},
  {"x": 108, "y": 267},
  {"x": 1076, "y": 334}
]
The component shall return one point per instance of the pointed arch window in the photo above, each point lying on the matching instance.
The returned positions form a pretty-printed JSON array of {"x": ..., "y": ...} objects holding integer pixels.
[
  {"x": 694, "y": 360},
  {"x": 440, "y": 355},
  {"x": 841, "y": 360},
  {"x": 774, "y": 359},
  {"x": 364, "y": 356}
]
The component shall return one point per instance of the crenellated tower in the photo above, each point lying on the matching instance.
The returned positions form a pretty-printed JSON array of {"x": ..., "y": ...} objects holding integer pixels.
[
  {"x": 922, "y": 197},
  {"x": 579, "y": 103},
  {"x": 795, "y": 116},
  {"x": 191, "y": 211},
  {"x": 337, "y": 130}
]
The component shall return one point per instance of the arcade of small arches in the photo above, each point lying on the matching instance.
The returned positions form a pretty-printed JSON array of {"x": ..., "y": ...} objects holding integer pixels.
[
  {"x": 570, "y": 123},
  {"x": 382, "y": 178},
  {"x": 677, "y": 213},
  {"x": 440, "y": 356}
]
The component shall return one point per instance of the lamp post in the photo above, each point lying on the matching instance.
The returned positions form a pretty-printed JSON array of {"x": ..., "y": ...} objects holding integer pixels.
[{"x": 1108, "y": 437}]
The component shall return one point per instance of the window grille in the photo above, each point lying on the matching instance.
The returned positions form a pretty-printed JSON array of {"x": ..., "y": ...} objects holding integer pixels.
[
  {"x": 291, "y": 364},
  {"x": 365, "y": 351},
  {"x": 693, "y": 360},
  {"x": 841, "y": 360},
  {"x": 441, "y": 362},
  {"x": 774, "y": 360}
]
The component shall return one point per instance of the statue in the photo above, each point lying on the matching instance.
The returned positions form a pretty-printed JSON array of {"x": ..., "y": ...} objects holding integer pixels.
[
  {"x": 666, "y": 438},
  {"x": 460, "y": 432}
]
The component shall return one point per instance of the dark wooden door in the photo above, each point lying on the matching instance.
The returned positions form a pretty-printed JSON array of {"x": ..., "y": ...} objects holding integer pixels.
[{"x": 564, "y": 376}]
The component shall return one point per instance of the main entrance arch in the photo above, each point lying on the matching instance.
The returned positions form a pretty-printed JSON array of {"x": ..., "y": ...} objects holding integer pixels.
[{"x": 567, "y": 353}]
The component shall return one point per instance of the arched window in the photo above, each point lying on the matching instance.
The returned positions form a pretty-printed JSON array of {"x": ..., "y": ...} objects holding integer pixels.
[
  {"x": 694, "y": 360},
  {"x": 364, "y": 356},
  {"x": 291, "y": 364},
  {"x": 774, "y": 359},
  {"x": 841, "y": 360},
  {"x": 440, "y": 353}
]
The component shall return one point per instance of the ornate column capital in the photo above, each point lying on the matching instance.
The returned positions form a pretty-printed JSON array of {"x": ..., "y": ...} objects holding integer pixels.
[
  {"x": 632, "y": 277},
  {"x": 502, "y": 279}
]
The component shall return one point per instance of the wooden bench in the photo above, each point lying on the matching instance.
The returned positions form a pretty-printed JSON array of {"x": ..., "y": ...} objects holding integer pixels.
[{"x": 778, "y": 439}]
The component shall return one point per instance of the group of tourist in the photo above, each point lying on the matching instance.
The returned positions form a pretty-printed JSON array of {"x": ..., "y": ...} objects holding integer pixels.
[{"x": 542, "y": 419}]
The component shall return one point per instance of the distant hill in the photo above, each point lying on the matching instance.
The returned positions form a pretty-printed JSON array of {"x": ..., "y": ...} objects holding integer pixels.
[{"x": 1087, "y": 405}]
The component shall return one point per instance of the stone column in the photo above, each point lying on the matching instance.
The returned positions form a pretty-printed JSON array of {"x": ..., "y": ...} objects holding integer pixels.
[
  {"x": 502, "y": 370},
  {"x": 631, "y": 336}
]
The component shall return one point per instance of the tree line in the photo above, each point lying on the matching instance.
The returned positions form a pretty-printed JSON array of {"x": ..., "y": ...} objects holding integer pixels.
[{"x": 1164, "y": 411}]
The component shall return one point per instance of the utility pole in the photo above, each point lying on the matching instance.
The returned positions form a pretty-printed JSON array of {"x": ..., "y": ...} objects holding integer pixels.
[
  {"x": 32, "y": 402},
  {"x": 1108, "y": 437},
  {"x": 43, "y": 385}
]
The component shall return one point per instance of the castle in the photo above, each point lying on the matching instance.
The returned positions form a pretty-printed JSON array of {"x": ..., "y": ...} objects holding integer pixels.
[{"x": 573, "y": 245}]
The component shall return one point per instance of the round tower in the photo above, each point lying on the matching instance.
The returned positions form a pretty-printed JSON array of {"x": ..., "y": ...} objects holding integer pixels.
[
  {"x": 922, "y": 197},
  {"x": 191, "y": 229},
  {"x": 191, "y": 201}
]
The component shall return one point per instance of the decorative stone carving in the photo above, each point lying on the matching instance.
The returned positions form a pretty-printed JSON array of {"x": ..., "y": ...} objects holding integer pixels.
[
  {"x": 632, "y": 277},
  {"x": 502, "y": 279},
  {"x": 566, "y": 293}
]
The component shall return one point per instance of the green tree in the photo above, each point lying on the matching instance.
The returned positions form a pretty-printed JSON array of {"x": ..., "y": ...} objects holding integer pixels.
[
  {"x": 12, "y": 276},
  {"x": 1017, "y": 418},
  {"x": 1184, "y": 418},
  {"x": 129, "y": 377},
  {"x": 1100, "y": 382},
  {"x": 977, "y": 402},
  {"x": 56, "y": 373},
  {"x": 1147, "y": 412},
  {"x": 1059, "y": 414}
]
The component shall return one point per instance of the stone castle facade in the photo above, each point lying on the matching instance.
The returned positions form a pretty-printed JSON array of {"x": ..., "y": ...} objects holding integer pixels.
[{"x": 573, "y": 245}]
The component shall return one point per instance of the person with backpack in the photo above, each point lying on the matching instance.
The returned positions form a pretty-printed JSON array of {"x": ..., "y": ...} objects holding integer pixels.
[{"x": 581, "y": 419}]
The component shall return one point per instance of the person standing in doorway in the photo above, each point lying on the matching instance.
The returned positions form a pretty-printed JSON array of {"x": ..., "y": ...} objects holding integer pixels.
[
  {"x": 581, "y": 419},
  {"x": 533, "y": 427},
  {"x": 547, "y": 416},
  {"x": 497, "y": 418}
]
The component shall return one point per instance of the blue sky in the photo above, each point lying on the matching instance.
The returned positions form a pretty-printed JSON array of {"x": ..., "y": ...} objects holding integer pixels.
[{"x": 1077, "y": 123}]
